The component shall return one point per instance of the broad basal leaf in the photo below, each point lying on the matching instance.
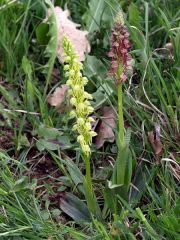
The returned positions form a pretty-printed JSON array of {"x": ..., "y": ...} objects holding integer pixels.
[{"x": 74, "y": 207}]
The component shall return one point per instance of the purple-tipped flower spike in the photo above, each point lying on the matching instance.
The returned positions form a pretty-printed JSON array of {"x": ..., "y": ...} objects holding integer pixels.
[{"x": 120, "y": 57}]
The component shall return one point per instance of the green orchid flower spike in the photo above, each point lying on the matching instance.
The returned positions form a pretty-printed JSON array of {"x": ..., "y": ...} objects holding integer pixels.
[
  {"x": 79, "y": 98},
  {"x": 82, "y": 108}
]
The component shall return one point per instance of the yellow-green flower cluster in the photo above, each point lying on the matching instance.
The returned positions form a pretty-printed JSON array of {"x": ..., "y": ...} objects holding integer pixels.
[{"x": 79, "y": 98}]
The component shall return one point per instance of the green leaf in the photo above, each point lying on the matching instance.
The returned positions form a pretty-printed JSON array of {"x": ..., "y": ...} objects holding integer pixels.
[
  {"x": 43, "y": 144},
  {"x": 74, "y": 207},
  {"x": 3, "y": 192},
  {"x": 101, "y": 96},
  {"x": 27, "y": 68},
  {"x": 127, "y": 137},
  {"x": 23, "y": 141},
  {"x": 64, "y": 142},
  {"x": 142, "y": 178},
  {"x": 91, "y": 200},
  {"x": 24, "y": 184},
  {"x": 45, "y": 215},
  {"x": 51, "y": 139},
  {"x": 112, "y": 8},
  {"x": 101, "y": 13},
  {"x": 48, "y": 133},
  {"x": 42, "y": 33},
  {"x": 94, "y": 67},
  {"x": 119, "y": 169},
  {"x": 135, "y": 18},
  {"x": 8, "y": 96},
  {"x": 177, "y": 46},
  {"x": 75, "y": 174},
  {"x": 94, "y": 15},
  {"x": 29, "y": 92},
  {"x": 110, "y": 199},
  {"x": 55, "y": 212},
  {"x": 177, "y": 208},
  {"x": 139, "y": 43},
  {"x": 128, "y": 170}
]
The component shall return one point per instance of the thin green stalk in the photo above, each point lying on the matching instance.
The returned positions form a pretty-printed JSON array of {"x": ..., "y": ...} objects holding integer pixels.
[
  {"x": 120, "y": 117},
  {"x": 88, "y": 170},
  {"x": 121, "y": 158},
  {"x": 89, "y": 192}
]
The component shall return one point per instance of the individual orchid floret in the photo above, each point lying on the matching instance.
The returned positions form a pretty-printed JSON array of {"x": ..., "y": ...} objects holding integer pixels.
[
  {"x": 79, "y": 98},
  {"x": 119, "y": 52}
]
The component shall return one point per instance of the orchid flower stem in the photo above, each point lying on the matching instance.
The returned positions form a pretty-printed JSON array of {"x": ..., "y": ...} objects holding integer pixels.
[
  {"x": 88, "y": 170},
  {"x": 89, "y": 192},
  {"x": 120, "y": 117},
  {"x": 121, "y": 158}
]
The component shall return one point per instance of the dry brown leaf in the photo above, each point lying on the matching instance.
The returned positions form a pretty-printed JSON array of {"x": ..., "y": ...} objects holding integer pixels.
[
  {"x": 105, "y": 129},
  {"x": 56, "y": 73},
  {"x": 57, "y": 97},
  {"x": 154, "y": 138},
  {"x": 166, "y": 52},
  {"x": 78, "y": 37}
]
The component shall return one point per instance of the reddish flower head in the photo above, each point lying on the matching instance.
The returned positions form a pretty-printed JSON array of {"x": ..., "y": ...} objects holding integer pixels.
[{"x": 120, "y": 58}]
